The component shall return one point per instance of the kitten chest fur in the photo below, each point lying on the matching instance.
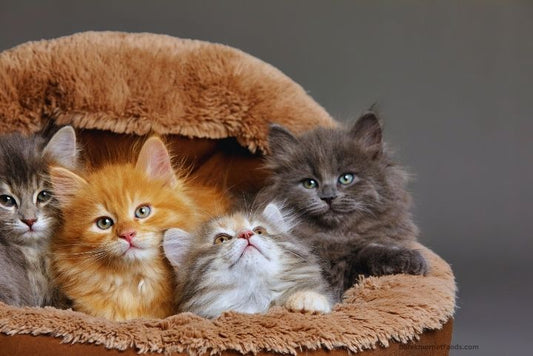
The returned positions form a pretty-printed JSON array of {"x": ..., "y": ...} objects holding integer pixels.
[
  {"x": 36, "y": 271},
  {"x": 128, "y": 292},
  {"x": 255, "y": 291}
]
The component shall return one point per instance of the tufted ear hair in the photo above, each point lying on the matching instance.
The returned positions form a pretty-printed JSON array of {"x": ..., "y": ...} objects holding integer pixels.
[
  {"x": 368, "y": 133},
  {"x": 66, "y": 185},
  {"x": 176, "y": 245},
  {"x": 280, "y": 139},
  {"x": 61, "y": 149},
  {"x": 275, "y": 214},
  {"x": 154, "y": 160}
]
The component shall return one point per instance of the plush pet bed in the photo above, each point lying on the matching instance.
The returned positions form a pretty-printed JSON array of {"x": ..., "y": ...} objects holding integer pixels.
[{"x": 213, "y": 104}]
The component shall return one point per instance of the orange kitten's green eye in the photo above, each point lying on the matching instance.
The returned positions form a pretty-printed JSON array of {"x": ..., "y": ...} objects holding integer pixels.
[
  {"x": 44, "y": 196},
  {"x": 143, "y": 211},
  {"x": 260, "y": 230},
  {"x": 7, "y": 201},
  {"x": 309, "y": 183},
  {"x": 221, "y": 238},
  {"x": 104, "y": 222},
  {"x": 346, "y": 178}
]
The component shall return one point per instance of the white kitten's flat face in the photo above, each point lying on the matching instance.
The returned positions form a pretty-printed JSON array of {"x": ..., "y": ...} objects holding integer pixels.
[
  {"x": 244, "y": 267},
  {"x": 244, "y": 245},
  {"x": 241, "y": 263}
]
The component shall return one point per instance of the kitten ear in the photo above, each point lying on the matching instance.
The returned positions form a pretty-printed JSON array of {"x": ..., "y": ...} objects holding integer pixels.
[
  {"x": 367, "y": 131},
  {"x": 154, "y": 159},
  {"x": 66, "y": 184},
  {"x": 276, "y": 217},
  {"x": 280, "y": 139},
  {"x": 61, "y": 149},
  {"x": 176, "y": 244}
]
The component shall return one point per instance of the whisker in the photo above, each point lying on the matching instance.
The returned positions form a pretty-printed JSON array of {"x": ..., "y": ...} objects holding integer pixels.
[
  {"x": 82, "y": 244},
  {"x": 297, "y": 255}
]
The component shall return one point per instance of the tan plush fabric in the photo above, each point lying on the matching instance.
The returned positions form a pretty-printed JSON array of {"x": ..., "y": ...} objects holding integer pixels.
[
  {"x": 374, "y": 312},
  {"x": 206, "y": 99},
  {"x": 142, "y": 83}
]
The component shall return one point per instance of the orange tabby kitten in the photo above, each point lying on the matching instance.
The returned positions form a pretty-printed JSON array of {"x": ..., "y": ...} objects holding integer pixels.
[{"x": 107, "y": 257}]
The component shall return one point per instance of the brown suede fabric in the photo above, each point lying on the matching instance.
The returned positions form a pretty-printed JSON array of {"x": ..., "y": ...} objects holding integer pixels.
[{"x": 213, "y": 105}]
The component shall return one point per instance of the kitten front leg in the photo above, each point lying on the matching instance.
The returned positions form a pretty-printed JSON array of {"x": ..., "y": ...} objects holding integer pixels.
[
  {"x": 308, "y": 301},
  {"x": 9, "y": 295},
  {"x": 379, "y": 259}
]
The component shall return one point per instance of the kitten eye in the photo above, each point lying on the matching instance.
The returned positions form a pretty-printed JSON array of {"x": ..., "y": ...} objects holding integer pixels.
[
  {"x": 309, "y": 183},
  {"x": 104, "y": 222},
  {"x": 44, "y": 196},
  {"x": 346, "y": 178},
  {"x": 7, "y": 201},
  {"x": 143, "y": 211},
  {"x": 259, "y": 230},
  {"x": 221, "y": 238}
]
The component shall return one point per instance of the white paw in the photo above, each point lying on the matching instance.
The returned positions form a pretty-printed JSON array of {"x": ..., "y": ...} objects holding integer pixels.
[{"x": 308, "y": 301}]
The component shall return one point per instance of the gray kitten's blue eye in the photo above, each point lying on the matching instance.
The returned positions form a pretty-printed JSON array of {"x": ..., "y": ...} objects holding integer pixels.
[
  {"x": 44, "y": 196},
  {"x": 309, "y": 183},
  {"x": 7, "y": 201},
  {"x": 104, "y": 222},
  {"x": 346, "y": 178},
  {"x": 143, "y": 211}
]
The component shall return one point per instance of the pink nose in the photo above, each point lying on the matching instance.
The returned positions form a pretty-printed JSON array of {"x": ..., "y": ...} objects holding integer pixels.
[
  {"x": 29, "y": 222},
  {"x": 245, "y": 234},
  {"x": 127, "y": 235}
]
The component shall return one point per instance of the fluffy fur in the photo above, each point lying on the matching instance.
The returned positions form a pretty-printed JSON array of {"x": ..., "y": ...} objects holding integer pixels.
[
  {"x": 188, "y": 87},
  {"x": 246, "y": 262},
  {"x": 29, "y": 214},
  {"x": 350, "y": 198},
  {"x": 107, "y": 257}
]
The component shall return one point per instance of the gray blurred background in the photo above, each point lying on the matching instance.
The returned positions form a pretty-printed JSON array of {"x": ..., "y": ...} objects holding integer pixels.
[{"x": 453, "y": 81}]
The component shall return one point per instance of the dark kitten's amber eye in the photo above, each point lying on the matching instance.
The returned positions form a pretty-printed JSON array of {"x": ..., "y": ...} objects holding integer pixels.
[
  {"x": 259, "y": 230},
  {"x": 7, "y": 201},
  {"x": 221, "y": 238},
  {"x": 104, "y": 222},
  {"x": 309, "y": 183},
  {"x": 346, "y": 178},
  {"x": 44, "y": 196},
  {"x": 143, "y": 211}
]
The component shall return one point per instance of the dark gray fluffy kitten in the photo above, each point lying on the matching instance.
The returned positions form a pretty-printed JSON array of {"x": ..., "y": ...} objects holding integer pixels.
[
  {"x": 350, "y": 198},
  {"x": 29, "y": 214}
]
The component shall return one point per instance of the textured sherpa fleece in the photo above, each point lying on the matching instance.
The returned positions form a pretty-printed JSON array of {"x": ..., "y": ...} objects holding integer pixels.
[
  {"x": 374, "y": 312},
  {"x": 144, "y": 83}
]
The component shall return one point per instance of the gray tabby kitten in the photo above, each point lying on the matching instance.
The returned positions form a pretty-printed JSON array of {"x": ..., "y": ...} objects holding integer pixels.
[
  {"x": 29, "y": 214},
  {"x": 245, "y": 262},
  {"x": 350, "y": 198}
]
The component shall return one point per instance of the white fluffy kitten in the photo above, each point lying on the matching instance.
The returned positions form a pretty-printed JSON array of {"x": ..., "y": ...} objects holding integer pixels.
[{"x": 245, "y": 262}]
